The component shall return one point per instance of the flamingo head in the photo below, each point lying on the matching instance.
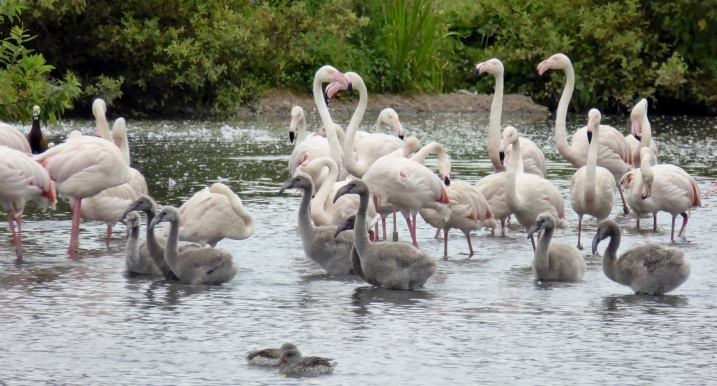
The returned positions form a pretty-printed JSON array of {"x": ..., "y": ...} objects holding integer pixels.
[
  {"x": 346, "y": 225},
  {"x": 297, "y": 114},
  {"x": 606, "y": 229},
  {"x": 299, "y": 181},
  {"x": 143, "y": 203},
  {"x": 99, "y": 107},
  {"x": 638, "y": 113},
  {"x": 648, "y": 176},
  {"x": 555, "y": 62},
  {"x": 327, "y": 74},
  {"x": 353, "y": 187},
  {"x": 35, "y": 113},
  {"x": 510, "y": 136},
  {"x": 542, "y": 222},
  {"x": 446, "y": 177},
  {"x": 132, "y": 221},
  {"x": 167, "y": 214},
  {"x": 389, "y": 117},
  {"x": 74, "y": 134},
  {"x": 119, "y": 132},
  {"x": 411, "y": 145},
  {"x": 593, "y": 123},
  {"x": 492, "y": 66}
]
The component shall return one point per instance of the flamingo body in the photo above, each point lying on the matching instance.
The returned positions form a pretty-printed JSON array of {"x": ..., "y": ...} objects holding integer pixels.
[{"x": 13, "y": 138}]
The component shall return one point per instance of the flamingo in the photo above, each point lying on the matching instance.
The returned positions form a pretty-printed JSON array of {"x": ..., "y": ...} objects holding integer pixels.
[
  {"x": 213, "y": 214},
  {"x": 662, "y": 188},
  {"x": 119, "y": 135},
  {"x": 108, "y": 206},
  {"x": 82, "y": 167},
  {"x": 613, "y": 153},
  {"x": 37, "y": 140},
  {"x": 641, "y": 134},
  {"x": 99, "y": 109},
  {"x": 533, "y": 157},
  {"x": 23, "y": 180},
  {"x": 409, "y": 186},
  {"x": 492, "y": 187},
  {"x": 298, "y": 121},
  {"x": 323, "y": 210},
  {"x": 528, "y": 195},
  {"x": 555, "y": 261},
  {"x": 469, "y": 212},
  {"x": 592, "y": 188},
  {"x": 13, "y": 138},
  {"x": 372, "y": 146}
]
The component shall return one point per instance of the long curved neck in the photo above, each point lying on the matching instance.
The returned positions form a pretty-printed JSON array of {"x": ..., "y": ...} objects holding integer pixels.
[
  {"x": 361, "y": 242},
  {"x": 542, "y": 256},
  {"x": 646, "y": 131},
  {"x": 301, "y": 135},
  {"x": 170, "y": 249},
  {"x": 350, "y": 163},
  {"x": 379, "y": 124},
  {"x": 305, "y": 224},
  {"x": 334, "y": 146},
  {"x": 318, "y": 206},
  {"x": 239, "y": 209},
  {"x": 646, "y": 170},
  {"x": 494, "y": 129},
  {"x": 103, "y": 129},
  {"x": 591, "y": 167},
  {"x": 155, "y": 249},
  {"x": 561, "y": 137},
  {"x": 511, "y": 174},
  {"x": 132, "y": 247},
  {"x": 124, "y": 147},
  {"x": 610, "y": 257},
  {"x": 444, "y": 164}
]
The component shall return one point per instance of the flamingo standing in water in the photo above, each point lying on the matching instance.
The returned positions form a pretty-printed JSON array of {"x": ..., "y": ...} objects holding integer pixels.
[
  {"x": 661, "y": 188},
  {"x": 613, "y": 152},
  {"x": 533, "y": 157},
  {"x": 119, "y": 135},
  {"x": 83, "y": 167},
  {"x": 528, "y": 195},
  {"x": 108, "y": 206},
  {"x": 592, "y": 188},
  {"x": 641, "y": 134},
  {"x": 23, "y": 180}
]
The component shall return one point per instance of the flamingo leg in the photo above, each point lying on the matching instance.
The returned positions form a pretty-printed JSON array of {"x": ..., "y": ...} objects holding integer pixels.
[
  {"x": 492, "y": 232},
  {"x": 502, "y": 228},
  {"x": 18, "y": 243},
  {"x": 672, "y": 233},
  {"x": 445, "y": 243},
  {"x": 395, "y": 230},
  {"x": 75, "y": 232},
  {"x": 438, "y": 233},
  {"x": 383, "y": 223},
  {"x": 580, "y": 227},
  {"x": 11, "y": 221},
  {"x": 410, "y": 230},
  {"x": 414, "y": 226},
  {"x": 625, "y": 209},
  {"x": 685, "y": 218},
  {"x": 654, "y": 222},
  {"x": 109, "y": 234},
  {"x": 638, "y": 223},
  {"x": 532, "y": 241},
  {"x": 470, "y": 244}
]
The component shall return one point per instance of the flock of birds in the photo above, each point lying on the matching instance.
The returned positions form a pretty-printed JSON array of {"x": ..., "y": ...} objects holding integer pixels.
[{"x": 353, "y": 181}]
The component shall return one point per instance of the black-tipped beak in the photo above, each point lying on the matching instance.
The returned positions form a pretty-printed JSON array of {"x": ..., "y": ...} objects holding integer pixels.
[
  {"x": 346, "y": 189},
  {"x": 351, "y": 89},
  {"x": 156, "y": 220},
  {"x": 596, "y": 241},
  {"x": 400, "y": 137},
  {"x": 476, "y": 74},
  {"x": 346, "y": 225},
  {"x": 637, "y": 137},
  {"x": 447, "y": 181},
  {"x": 590, "y": 137},
  {"x": 291, "y": 137},
  {"x": 288, "y": 185},
  {"x": 534, "y": 228},
  {"x": 132, "y": 207},
  {"x": 502, "y": 157}
]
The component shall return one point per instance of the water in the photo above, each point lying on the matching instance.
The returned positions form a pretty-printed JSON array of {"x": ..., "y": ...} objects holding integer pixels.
[{"x": 478, "y": 320}]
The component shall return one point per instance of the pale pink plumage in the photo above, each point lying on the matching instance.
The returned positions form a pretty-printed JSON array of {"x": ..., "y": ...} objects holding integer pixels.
[
  {"x": 108, "y": 206},
  {"x": 14, "y": 139}
]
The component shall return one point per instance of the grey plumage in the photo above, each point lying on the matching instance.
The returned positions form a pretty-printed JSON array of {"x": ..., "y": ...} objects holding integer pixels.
[
  {"x": 319, "y": 243},
  {"x": 134, "y": 261},
  {"x": 294, "y": 364},
  {"x": 389, "y": 265},
  {"x": 651, "y": 269},
  {"x": 194, "y": 265},
  {"x": 555, "y": 261},
  {"x": 269, "y": 356}
]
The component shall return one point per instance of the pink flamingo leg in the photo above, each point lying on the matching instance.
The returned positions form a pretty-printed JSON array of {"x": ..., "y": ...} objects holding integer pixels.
[
  {"x": 445, "y": 243},
  {"x": 638, "y": 223},
  {"x": 109, "y": 234},
  {"x": 685, "y": 218},
  {"x": 672, "y": 234},
  {"x": 438, "y": 233},
  {"x": 625, "y": 209},
  {"x": 470, "y": 244},
  {"x": 376, "y": 233},
  {"x": 75, "y": 232},
  {"x": 414, "y": 226},
  {"x": 502, "y": 228},
  {"x": 383, "y": 222},
  {"x": 18, "y": 242},
  {"x": 395, "y": 229},
  {"x": 654, "y": 222},
  {"x": 11, "y": 221},
  {"x": 532, "y": 241},
  {"x": 410, "y": 230}
]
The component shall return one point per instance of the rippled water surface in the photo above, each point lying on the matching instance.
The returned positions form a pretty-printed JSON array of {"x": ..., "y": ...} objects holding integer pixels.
[{"x": 479, "y": 320}]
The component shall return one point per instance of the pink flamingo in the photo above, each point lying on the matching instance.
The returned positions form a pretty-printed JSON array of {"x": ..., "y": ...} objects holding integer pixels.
[
  {"x": 640, "y": 134},
  {"x": 23, "y": 180},
  {"x": 13, "y": 138},
  {"x": 83, "y": 167}
]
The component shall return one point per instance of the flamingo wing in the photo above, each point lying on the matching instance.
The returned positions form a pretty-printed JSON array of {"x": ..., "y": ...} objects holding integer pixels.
[{"x": 14, "y": 139}]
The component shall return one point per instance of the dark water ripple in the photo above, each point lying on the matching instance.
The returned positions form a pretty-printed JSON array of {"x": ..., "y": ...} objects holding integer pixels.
[{"x": 481, "y": 320}]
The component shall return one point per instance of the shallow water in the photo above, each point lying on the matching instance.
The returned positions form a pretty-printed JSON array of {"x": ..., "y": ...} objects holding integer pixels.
[{"x": 478, "y": 320}]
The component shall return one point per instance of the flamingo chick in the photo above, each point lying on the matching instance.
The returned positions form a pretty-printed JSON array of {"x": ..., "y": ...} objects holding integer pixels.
[{"x": 554, "y": 261}]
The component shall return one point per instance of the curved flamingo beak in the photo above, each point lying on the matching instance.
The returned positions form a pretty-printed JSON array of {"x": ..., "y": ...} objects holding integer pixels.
[
  {"x": 397, "y": 127},
  {"x": 636, "y": 129},
  {"x": 646, "y": 191},
  {"x": 544, "y": 66},
  {"x": 332, "y": 89},
  {"x": 446, "y": 179},
  {"x": 591, "y": 122},
  {"x": 292, "y": 127},
  {"x": 596, "y": 241},
  {"x": 480, "y": 68},
  {"x": 344, "y": 81}
]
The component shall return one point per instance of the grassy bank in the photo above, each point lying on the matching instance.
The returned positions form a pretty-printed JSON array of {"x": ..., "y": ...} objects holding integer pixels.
[{"x": 180, "y": 57}]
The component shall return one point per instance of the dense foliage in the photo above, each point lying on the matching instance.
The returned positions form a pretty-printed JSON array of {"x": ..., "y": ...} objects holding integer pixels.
[{"x": 173, "y": 57}]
